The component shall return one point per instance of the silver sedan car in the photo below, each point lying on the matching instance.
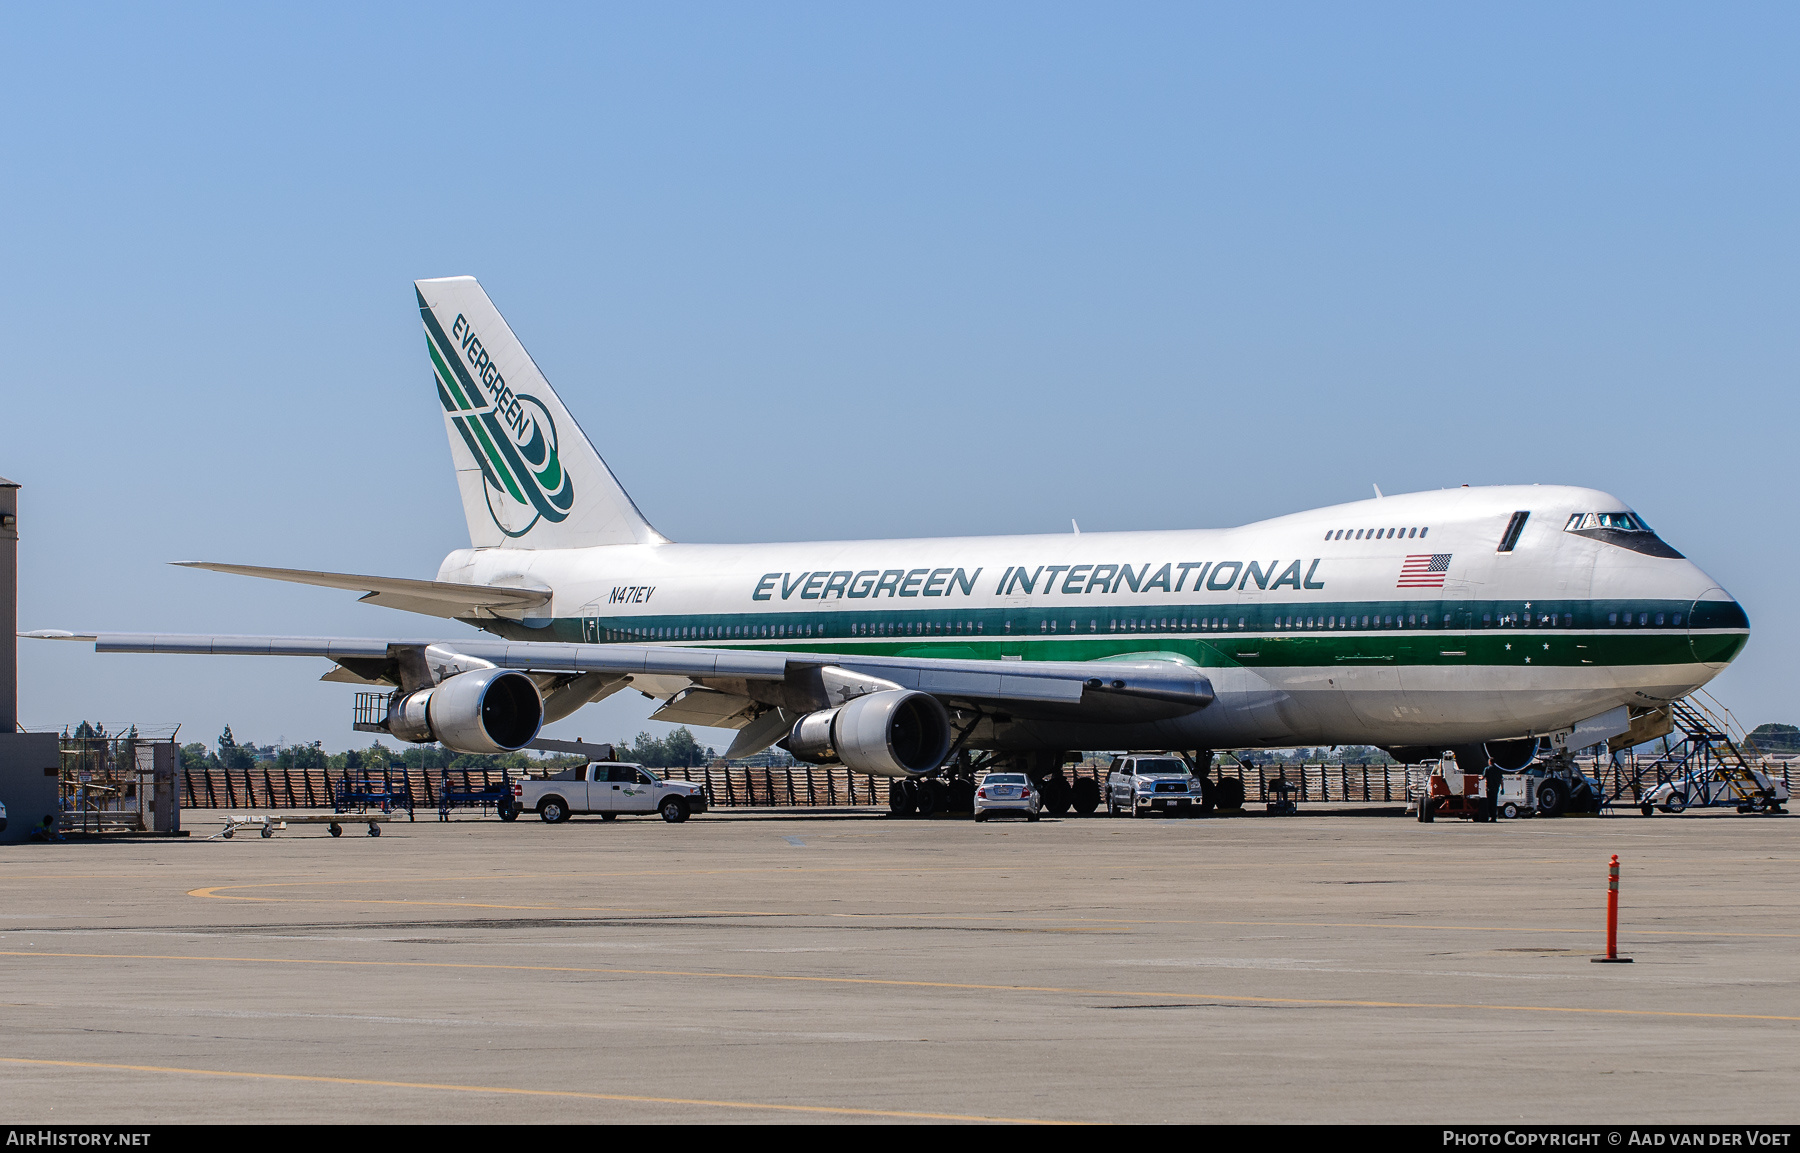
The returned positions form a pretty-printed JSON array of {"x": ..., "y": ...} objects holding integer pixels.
[{"x": 1006, "y": 793}]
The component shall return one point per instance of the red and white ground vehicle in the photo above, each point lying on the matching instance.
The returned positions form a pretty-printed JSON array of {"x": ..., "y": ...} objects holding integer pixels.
[{"x": 1451, "y": 793}]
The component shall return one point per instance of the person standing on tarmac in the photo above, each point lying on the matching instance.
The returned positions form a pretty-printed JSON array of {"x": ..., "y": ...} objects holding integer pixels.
[{"x": 1490, "y": 804}]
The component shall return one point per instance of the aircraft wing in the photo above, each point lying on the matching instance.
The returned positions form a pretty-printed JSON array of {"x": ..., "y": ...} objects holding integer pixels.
[
  {"x": 431, "y": 598},
  {"x": 1086, "y": 689}
]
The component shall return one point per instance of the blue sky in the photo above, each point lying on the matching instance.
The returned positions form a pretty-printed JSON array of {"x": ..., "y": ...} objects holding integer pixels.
[{"x": 819, "y": 271}]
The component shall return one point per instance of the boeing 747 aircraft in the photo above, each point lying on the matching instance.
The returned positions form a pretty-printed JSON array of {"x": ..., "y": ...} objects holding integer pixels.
[{"x": 1479, "y": 620}]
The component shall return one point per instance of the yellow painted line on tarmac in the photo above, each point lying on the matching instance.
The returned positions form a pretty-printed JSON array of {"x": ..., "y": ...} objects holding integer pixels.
[
  {"x": 1199, "y": 998},
  {"x": 832, "y": 1110},
  {"x": 1111, "y": 925},
  {"x": 214, "y": 892}
]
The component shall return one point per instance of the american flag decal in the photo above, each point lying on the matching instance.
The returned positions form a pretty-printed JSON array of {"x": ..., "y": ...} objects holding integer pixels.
[{"x": 1424, "y": 571}]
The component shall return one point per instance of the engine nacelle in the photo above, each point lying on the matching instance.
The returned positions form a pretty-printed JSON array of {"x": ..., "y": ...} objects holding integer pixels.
[
  {"x": 1513, "y": 755},
  {"x": 895, "y": 733},
  {"x": 1510, "y": 755},
  {"x": 487, "y": 711}
]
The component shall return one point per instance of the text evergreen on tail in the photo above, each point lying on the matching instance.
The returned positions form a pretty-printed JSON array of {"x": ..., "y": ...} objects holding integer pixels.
[{"x": 529, "y": 476}]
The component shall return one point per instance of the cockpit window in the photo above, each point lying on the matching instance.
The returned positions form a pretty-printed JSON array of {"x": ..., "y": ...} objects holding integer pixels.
[
  {"x": 1622, "y": 521},
  {"x": 1627, "y": 530}
]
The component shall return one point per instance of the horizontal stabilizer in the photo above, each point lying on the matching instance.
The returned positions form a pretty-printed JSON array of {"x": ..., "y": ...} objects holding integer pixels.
[{"x": 434, "y": 598}]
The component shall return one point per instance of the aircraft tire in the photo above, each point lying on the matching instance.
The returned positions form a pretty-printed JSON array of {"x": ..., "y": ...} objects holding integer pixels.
[
  {"x": 1084, "y": 796},
  {"x": 1552, "y": 799}
]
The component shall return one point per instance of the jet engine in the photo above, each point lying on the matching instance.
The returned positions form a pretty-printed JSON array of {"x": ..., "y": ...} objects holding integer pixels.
[
  {"x": 894, "y": 733},
  {"x": 486, "y": 711}
]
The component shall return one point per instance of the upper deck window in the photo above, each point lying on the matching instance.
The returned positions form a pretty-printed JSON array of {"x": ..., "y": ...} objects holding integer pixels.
[{"x": 1514, "y": 527}]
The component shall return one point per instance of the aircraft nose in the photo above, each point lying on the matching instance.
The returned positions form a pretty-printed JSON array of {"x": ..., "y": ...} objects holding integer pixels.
[{"x": 1718, "y": 628}]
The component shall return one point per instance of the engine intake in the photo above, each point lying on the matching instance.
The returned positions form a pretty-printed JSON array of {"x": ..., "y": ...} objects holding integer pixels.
[
  {"x": 895, "y": 733},
  {"x": 487, "y": 711}
]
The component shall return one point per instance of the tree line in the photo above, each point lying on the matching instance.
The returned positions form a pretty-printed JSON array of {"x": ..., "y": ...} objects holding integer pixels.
[{"x": 678, "y": 748}]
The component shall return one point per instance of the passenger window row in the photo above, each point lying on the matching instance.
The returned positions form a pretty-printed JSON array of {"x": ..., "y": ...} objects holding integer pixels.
[
  {"x": 1376, "y": 533},
  {"x": 918, "y": 628},
  {"x": 1643, "y": 619},
  {"x": 1520, "y": 619}
]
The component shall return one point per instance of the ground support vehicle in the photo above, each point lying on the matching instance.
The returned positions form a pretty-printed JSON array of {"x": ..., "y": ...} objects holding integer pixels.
[
  {"x": 1538, "y": 790},
  {"x": 1449, "y": 792},
  {"x": 360, "y": 794},
  {"x": 1141, "y": 785},
  {"x": 607, "y": 789},
  {"x": 497, "y": 797},
  {"x": 1558, "y": 787},
  {"x": 268, "y": 826},
  {"x": 1718, "y": 786},
  {"x": 1517, "y": 797},
  {"x": 1458, "y": 794}
]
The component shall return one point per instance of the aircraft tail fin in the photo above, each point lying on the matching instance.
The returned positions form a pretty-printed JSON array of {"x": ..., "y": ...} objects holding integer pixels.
[{"x": 529, "y": 476}]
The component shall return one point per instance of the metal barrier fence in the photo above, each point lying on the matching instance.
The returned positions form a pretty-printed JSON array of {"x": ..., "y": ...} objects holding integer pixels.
[
  {"x": 797, "y": 786},
  {"x": 268, "y": 786}
]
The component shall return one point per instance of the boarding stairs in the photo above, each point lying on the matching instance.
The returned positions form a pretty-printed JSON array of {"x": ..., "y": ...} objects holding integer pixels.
[{"x": 1711, "y": 744}]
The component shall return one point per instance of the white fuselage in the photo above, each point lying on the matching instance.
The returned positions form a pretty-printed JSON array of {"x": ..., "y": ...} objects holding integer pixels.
[{"x": 1395, "y": 621}]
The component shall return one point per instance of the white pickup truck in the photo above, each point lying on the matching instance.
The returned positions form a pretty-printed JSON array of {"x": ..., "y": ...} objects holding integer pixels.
[{"x": 607, "y": 788}]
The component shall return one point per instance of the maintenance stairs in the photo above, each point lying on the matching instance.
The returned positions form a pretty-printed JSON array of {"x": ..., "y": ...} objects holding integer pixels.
[{"x": 1712, "y": 750}]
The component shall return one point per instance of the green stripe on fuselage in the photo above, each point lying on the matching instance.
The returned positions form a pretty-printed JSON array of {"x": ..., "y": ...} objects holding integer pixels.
[{"x": 1522, "y": 648}]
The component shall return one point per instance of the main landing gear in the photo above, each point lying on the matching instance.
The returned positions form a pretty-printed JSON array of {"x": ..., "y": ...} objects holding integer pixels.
[{"x": 923, "y": 796}]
